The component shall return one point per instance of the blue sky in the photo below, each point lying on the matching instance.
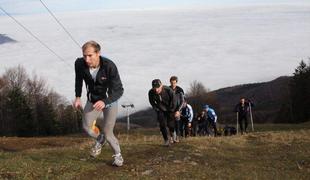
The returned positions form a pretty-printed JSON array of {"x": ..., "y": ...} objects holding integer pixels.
[{"x": 34, "y": 6}]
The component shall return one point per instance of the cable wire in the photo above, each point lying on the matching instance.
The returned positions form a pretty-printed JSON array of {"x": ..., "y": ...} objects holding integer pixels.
[
  {"x": 63, "y": 27},
  {"x": 34, "y": 36}
]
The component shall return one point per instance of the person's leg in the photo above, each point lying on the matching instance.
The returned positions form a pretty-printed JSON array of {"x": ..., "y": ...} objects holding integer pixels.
[
  {"x": 178, "y": 126},
  {"x": 195, "y": 126},
  {"x": 214, "y": 128},
  {"x": 90, "y": 115},
  {"x": 207, "y": 125},
  {"x": 186, "y": 128},
  {"x": 99, "y": 123},
  {"x": 181, "y": 127},
  {"x": 109, "y": 119},
  {"x": 170, "y": 123},
  {"x": 241, "y": 120},
  {"x": 245, "y": 123},
  {"x": 200, "y": 128},
  {"x": 162, "y": 125}
]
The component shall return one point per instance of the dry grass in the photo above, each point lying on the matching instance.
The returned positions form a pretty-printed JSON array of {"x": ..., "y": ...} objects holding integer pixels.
[{"x": 261, "y": 155}]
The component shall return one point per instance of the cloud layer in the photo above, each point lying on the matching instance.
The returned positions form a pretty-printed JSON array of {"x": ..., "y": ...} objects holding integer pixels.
[{"x": 218, "y": 46}]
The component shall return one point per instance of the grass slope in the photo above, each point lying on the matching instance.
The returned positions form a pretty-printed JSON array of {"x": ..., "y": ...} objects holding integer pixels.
[{"x": 280, "y": 152}]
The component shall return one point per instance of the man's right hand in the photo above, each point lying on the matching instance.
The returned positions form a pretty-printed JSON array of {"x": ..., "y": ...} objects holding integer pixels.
[{"x": 77, "y": 103}]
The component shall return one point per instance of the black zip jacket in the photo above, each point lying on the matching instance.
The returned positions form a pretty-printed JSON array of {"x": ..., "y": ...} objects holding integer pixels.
[
  {"x": 107, "y": 87},
  {"x": 165, "y": 101},
  {"x": 179, "y": 93},
  {"x": 243, "y": 110}
]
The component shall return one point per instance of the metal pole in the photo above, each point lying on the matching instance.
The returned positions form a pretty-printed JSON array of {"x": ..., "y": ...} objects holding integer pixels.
[
  {"x": 251, "y": 116},
  {"x": 127, "y": 106},
  {"x": 128, "y": 122}
]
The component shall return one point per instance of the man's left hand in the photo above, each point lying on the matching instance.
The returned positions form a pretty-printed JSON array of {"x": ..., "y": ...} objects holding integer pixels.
[
  {"x": 177, "y": 114},
  {"x": 99, "y": 105}
]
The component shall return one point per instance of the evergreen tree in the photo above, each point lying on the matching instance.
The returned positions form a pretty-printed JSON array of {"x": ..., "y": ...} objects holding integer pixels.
[
  {"x": 300, "y": 93},
  {"x": 47, "y": 117},
  {"x": 21, "y": 120}
]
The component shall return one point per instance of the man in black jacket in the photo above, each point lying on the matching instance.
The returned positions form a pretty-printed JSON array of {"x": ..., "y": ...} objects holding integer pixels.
[
  {"x": 163, "y": 101},
  {"x": 104, "y": 88},
  {"x": 242, "y": 108},
  {"x": 179, "y": 93}
]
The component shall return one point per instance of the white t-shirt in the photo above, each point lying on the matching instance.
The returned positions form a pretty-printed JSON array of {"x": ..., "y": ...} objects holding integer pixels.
[{"x": 93, "y": 72}]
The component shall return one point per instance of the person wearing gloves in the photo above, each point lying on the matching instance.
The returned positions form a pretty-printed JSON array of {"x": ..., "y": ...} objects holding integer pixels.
[
  {"x": 211, "y": 118},
  {"x": 186, "y": 118},
  {"x": 163, "y": 101},
  {"x": 179, "y": 93}
]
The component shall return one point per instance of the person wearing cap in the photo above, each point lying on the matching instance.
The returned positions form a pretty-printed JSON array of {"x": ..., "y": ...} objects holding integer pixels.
[
  {"x": 211, "y": 118},
  {"x": 179, "y": 93},
  {"x": 104, "y": 88},
  {"x": 163, "y": 101}
]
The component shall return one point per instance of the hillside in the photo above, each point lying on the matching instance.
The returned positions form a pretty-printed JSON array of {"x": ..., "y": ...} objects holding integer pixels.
[
  {"x": 280, "y": 153},
  {"x": 145, "y": 118},
  {"x": 268, "y": 98}
]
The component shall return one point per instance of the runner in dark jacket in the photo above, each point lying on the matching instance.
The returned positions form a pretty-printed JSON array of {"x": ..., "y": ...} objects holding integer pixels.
[
  {"x": 194, "y": 125},
  {"x": 179, "y": 93},
  {"x": 104, "y": 88},
  {"x": 243, "y": 107},
  {"x": 163, "y": 101},
  {"x": 202, "y": 123},
  {"x": 107, "y": 86}
]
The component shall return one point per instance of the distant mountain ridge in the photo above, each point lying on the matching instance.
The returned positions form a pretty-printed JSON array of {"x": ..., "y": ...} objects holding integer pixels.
[
  {"x": 6, "y": 39},
  {"x": 268, "y": 99}
]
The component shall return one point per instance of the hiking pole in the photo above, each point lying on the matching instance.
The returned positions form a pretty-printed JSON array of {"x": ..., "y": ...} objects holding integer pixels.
[
  {"x": 251, "y": 117},
  {"x": 237, "y": 121}
]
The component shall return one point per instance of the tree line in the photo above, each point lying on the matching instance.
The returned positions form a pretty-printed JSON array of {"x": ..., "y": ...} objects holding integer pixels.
[
  {"x": 29, "y": 108},
  {"x": 299, "y": 109}
]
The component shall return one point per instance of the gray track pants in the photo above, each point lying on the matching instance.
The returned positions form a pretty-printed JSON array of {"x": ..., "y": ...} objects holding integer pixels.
[{"x": 105, "y": 124}]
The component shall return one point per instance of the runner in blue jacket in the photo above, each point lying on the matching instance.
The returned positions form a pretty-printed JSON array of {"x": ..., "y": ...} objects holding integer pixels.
[{"x": 211, "y": 117}]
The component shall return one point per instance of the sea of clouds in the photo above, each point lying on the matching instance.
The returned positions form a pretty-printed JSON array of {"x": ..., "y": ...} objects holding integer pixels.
[{"x": 220, "y": 47}]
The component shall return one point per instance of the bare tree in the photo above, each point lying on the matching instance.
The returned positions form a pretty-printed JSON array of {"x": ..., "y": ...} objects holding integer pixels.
[
  {"x": 198, "y": 95},
  {"x": 16, "y": 77},
  {"x": 197, "y": 89},
  {"x": 55, "y": 99},
  {"x": 36, "y": 87}
]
